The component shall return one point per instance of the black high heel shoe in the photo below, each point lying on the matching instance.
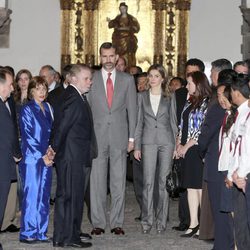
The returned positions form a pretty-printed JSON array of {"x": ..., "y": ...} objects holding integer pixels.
[{"x": 193, "y": 232}]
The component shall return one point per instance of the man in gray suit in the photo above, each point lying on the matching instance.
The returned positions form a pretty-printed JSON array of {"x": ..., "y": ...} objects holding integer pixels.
[{"x": 113, "y": 103}]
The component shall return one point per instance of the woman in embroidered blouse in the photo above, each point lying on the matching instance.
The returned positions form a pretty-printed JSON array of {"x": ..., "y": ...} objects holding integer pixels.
[
  {"x": 35, "y": 125},
  {"x": 192, "y": 118},
  {"x": 154, "y": 143}
]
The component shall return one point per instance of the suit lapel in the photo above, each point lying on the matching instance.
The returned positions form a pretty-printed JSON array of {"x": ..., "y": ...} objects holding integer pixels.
[
  {"x": 161, "y": 106},
  {"x": 148, "y": 102},
  {"x": 101, "y": 89}
]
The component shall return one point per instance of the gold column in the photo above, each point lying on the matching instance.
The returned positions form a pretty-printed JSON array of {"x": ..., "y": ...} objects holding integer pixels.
[
  {"x": 91, "y": 7},
  {"x": 159, "y": 7},
  {"x": 183, "y": 7},
  {"x": 66, "y": 7},
  {"x": 170, "y": 42}
]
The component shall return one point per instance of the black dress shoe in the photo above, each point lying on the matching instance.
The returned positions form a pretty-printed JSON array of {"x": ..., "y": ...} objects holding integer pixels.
[
  {"x": 58, "y": 244},
  {"x": 28, "y": 241},
  {"x": 193, "y": 232},
  {"x": 79, "y": 244},
  {"x": 11, "y": 229},
  {"x": 85, "y": 236},
  {"x": 97, "y": 231},
  {"x": 138, "y": 219},
  {"x": 181, "y": 227},
  {"x": 117, "y": 231}
]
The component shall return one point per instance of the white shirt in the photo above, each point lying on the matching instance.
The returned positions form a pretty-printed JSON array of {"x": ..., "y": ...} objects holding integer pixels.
[
  {"x": 239, "y": 158},
  {"x": 52, "y": 86},
  {"x": 105, "y": 78},
  {"x": 224, "y": 148},
  {"x": 155, "y": 101}
]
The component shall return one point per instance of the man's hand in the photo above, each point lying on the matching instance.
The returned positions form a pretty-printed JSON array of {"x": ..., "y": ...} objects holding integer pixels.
[
  {"x": 47, "y": 161},
  {"x": 228, "y": 183},
  {"x": 137, "y": 155},
  {"x": 17, "y": 159},
  {"x": 130, "y": 146},
  {"x": 240, "y": 182}
]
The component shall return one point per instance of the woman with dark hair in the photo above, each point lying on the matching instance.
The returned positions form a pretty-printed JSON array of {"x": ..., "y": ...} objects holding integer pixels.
[
  {"x": 22, "y": 81},
  {"x": 35, "y": 126},
  {"x": 193, "y": 116},
  {"x": 154, "y": 143}
]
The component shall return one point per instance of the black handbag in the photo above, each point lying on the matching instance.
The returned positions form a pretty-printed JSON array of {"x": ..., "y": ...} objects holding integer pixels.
[{"x": 173, "y": 180}]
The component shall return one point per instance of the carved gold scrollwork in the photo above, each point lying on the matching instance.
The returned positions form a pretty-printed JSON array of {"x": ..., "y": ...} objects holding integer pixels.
[
  {"x": 67, "y": 4},
  {"x": 91, "y": 4},
  {"x": 78, "y": 33},
  {"x": 170, "y": 47},
  {"x": 163, "y": 36}
]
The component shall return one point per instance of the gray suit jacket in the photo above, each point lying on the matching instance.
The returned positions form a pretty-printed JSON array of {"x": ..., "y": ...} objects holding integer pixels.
[
  {"x": 114, "y": 126},
  {"x": 159, "y": 129}
]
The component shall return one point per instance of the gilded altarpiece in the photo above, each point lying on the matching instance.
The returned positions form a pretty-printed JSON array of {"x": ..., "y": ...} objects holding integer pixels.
[{"x": 163, "y": 35}]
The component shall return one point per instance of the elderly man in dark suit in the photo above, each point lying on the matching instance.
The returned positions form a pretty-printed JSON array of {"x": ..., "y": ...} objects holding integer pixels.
[
  {"x": 7, "y": 138},
  {"x": 74, "y": 144}
]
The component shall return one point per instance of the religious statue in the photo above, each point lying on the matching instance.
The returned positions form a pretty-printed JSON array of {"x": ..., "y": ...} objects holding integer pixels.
[{"x": 124, "y": 39}]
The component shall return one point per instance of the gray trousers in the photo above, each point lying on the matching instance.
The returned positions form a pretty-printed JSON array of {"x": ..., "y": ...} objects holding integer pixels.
[
  {"x": 98, "y": 187},
  {"x": 155, "y": 156}
]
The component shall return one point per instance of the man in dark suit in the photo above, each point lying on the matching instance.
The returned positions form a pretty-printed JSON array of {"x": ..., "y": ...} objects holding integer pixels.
[
  {"x": 192, "y": 65},
  {"x": 55, "y": 100},
  {"x": 8, "y": 224},
  {"x": 74, "y": 145},
  {"x": 7, "y": 138},
  {"x": 49, "y": 74}
]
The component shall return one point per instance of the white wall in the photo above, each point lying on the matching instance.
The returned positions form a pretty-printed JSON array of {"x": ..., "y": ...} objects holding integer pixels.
[
  {"x": 34, "y": 35},
  {"x": 215, "y": 30},
  {"x": 35, "y": 32}
]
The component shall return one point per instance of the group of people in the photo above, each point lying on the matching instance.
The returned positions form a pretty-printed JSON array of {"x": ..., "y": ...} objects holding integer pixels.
[{"x": 84, "y": 127}]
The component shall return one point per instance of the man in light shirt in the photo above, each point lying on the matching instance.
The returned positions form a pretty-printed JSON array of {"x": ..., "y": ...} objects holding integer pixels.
[{"x": 240, "y": 93}]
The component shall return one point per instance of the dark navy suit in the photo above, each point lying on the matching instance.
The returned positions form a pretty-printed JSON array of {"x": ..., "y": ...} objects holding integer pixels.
[{"x": 209, "y": 148}]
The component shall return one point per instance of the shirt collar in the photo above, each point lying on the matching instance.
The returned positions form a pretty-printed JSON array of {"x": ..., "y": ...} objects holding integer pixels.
[
  {"x": 52, "y": 86},
  {"x": 76, "y": 88},
  {"x": 243, "y": 106}
]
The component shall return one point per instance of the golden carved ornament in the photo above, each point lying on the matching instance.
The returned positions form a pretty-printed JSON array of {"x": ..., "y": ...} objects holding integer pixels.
[{"x": 163, "y": 35}]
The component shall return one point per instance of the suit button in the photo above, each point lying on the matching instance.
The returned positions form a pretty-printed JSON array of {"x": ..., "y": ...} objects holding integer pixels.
[
  {"x": 108, "y": 123},
  {"x": 155, "y": 126}
]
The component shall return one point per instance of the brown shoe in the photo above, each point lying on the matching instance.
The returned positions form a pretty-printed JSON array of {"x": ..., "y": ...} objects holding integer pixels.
[
  {"x": 97, "y": 231},
  {"x": 118, "y": 231}
]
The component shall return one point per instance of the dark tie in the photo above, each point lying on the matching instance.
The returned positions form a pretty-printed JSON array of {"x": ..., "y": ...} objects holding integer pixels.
[{"x": 110, "y": 90}]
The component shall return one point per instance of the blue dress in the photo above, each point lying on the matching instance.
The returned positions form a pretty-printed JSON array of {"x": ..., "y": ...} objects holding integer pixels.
[{"x": 35, "y": 128}]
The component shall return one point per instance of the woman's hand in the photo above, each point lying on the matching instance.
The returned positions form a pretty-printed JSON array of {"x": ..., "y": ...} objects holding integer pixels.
[
  {"x": 182, "y": 150},
  {"x": 50, "y": 153},
  {"x": 137, "y": 155}
]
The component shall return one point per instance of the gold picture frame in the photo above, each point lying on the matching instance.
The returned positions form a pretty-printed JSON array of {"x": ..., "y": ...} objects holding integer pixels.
[{"x": 163, "y": 35}]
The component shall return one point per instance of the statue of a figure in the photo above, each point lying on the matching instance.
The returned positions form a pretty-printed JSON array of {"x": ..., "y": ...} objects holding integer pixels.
[{"x": 124, "y": 39}]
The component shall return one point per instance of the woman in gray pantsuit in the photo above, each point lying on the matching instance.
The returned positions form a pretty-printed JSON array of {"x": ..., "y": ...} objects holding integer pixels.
[{"x": 154, "y": 143}]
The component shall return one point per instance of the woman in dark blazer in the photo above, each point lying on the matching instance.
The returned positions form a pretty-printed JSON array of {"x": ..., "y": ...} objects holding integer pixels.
[{"x": 154, "y": 143}]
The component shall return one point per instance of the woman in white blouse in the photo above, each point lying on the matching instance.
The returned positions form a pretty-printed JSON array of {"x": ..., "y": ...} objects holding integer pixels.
[{"x": 154, "y": 144}]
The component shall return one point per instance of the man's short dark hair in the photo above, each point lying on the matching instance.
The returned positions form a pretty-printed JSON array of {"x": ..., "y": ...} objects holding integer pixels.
[
  {"x": 241, "y": 83},
  {"x": 107, "y": 45},
  {"x": 221, "y": 64},
  {"x": 3, "y": 73},
  {"x": 226, "y": 77},
  {"x": 196, "y": 62},
  {"x": 240, "y": 63}
]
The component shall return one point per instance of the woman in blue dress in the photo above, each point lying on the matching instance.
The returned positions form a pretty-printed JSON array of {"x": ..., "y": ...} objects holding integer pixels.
[{"x": 35, "y": 126}]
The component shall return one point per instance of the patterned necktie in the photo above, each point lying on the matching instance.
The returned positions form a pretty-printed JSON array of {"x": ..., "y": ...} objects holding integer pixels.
[{"x": 110, "y": 90}]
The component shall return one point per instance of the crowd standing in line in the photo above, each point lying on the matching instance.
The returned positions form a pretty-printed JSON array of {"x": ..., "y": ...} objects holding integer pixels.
[{"x": 82, "y": 125}]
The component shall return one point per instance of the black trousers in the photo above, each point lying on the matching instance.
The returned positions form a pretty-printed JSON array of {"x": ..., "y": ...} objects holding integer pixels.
[
  {"x": 72, "y": 181},
  {"x": 223, "y": 223},
  {"x": 4, "y": 191},
  {"x": 242, "y": 233}
]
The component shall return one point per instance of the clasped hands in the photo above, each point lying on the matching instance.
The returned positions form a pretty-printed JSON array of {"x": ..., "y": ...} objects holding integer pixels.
[{"x": 49, "y": 157}]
